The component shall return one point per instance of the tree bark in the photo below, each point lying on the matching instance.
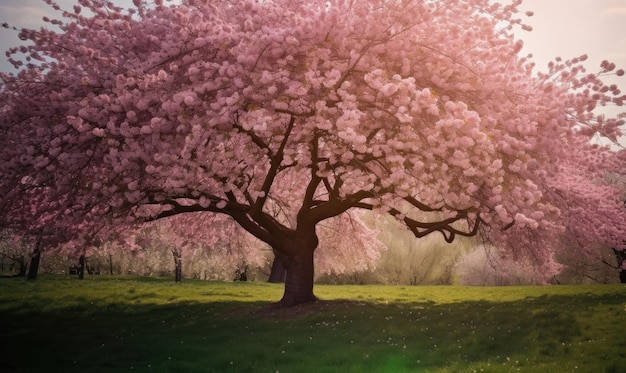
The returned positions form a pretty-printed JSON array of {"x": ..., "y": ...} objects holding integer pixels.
[
  {"x": 33, "y": 269},
  {"x": 620, "y": 256},
  {"x": 278, "y": 272},
  {"x": 178, "y": 265},
  {"x": 299, "y": 279},
  {"x": 81, "y": 267},
  {"x": 22, "y": 264},
  {"x": 241, "y": 273}
]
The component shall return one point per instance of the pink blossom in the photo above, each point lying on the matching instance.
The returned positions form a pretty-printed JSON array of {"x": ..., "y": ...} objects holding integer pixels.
[{"x": 98, "y": 132}]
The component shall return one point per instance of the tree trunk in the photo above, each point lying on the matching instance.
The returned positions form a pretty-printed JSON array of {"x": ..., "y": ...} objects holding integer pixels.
[
  {"x": 22, "y": 270},
  {"x": 81, "y": 267},
  {"x": 299, "y": 279},
  {"x": 33, "y": 269},
  {"x": 178, "y": 265},
  {"x": 111, "y": 264},
  {"x": 278, "y": 272},
  {"x": 241, "y": 273},
  {"x": 620, "y": 256}
]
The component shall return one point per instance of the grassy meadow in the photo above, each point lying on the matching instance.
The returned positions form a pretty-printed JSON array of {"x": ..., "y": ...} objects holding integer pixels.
[{"x": 129, "y": 324}]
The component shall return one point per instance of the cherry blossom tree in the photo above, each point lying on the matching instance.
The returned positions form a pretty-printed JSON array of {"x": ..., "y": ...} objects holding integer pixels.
[
  {"x": 284, "y": 114},
  {"x": 222, "y": 240},
  {"x": 13, "y": 253}
]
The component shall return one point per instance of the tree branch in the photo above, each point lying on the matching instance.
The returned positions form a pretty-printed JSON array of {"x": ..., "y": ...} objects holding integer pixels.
[
  {"x": 275, "y": 161},
  {"x": 422, "y": 229}
]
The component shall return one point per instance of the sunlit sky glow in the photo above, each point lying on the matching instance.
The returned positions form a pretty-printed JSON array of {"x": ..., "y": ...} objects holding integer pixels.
[{"x": 569, "y": 28}]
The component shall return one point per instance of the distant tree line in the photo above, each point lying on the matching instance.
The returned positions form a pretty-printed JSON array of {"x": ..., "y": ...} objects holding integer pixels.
[{"x": 406, "y": 261}]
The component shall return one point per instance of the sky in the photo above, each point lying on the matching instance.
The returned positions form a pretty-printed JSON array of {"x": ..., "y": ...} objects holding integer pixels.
[
  {"x": 565, "y": 28},
  {"x": 569, "y": 28}
]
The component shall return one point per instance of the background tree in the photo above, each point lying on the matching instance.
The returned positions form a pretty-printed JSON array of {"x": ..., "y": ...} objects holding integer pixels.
[
  {"x": 231, "y": 247},
  {"x": 82, "y": 263},
  {"x": 35, "y": 259},
  {"x": 620, "y": 258},
  {"x": 408, "y": 261},
  {"x": 577, "y": 268},
  {"x": 488, "y": 266},
  {"x": 347, "y": 244},
  {"x": 13, "y": 253},
  {"x": 419, "y": 110}
]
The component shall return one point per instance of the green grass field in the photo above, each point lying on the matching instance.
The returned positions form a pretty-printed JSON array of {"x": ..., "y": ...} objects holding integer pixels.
[{"x": 122, "y": 324}]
